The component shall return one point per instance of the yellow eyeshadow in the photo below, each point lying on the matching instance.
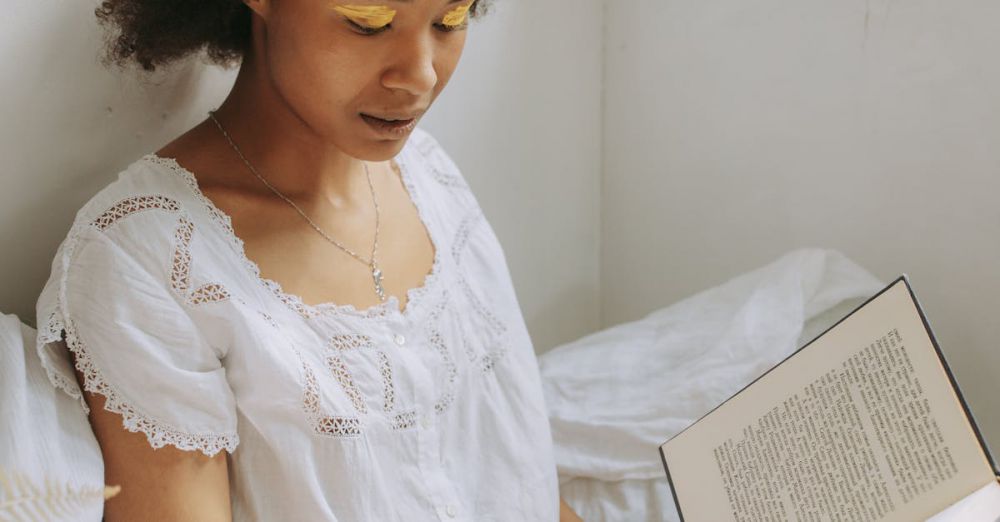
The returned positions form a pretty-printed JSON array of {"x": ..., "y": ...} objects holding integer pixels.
[
  {"x": 457, "y": 15},
  {"x": 373, "y": 16}
]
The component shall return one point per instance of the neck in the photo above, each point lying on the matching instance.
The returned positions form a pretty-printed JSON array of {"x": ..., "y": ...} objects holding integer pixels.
[{"x": 290, "y": 154}]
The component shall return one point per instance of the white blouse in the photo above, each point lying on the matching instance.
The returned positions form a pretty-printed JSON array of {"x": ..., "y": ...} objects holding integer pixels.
[{"x": 328, "y": 412}]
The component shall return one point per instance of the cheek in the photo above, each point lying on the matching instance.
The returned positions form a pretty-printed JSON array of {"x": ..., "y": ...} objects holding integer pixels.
[{"x": 317, "y": 74}]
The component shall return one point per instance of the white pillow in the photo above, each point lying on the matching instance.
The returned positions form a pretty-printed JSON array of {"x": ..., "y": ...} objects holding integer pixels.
[{"x": 50, "y": 463}]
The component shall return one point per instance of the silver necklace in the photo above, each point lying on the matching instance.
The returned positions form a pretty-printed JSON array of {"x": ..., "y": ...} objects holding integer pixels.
[{"x": 371, "y": 263}]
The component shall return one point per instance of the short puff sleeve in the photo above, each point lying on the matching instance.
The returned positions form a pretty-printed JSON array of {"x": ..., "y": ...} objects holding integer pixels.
[{"x": 133, "y": 339}]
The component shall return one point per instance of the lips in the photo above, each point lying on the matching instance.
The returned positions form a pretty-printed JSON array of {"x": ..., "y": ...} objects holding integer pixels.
[
  {"x": 386, "y": 126},
  {"x": 391, "y": 118}
]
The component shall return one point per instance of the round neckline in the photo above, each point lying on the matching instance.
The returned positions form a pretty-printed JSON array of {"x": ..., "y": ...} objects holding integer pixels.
[{"x": 414, "y": 296}]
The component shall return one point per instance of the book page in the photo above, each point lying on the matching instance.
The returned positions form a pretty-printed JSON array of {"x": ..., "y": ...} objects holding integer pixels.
[{"x": 862, "y": 424}]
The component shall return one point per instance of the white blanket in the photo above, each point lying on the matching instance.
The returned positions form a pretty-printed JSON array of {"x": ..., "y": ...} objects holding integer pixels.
[
  {"x": 50, "y": 462},
  {"x": 616, "y": 395}
]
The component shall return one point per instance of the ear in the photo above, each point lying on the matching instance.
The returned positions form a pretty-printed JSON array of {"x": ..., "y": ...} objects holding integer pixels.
[{"x": 261, "y": 7}]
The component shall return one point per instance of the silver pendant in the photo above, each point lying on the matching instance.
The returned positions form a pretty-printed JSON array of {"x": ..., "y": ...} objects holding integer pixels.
[{"x": 377, "y": 276}]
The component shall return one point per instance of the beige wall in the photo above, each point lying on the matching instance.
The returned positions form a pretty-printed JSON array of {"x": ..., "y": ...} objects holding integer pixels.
[{"x": 736, "y": 131}]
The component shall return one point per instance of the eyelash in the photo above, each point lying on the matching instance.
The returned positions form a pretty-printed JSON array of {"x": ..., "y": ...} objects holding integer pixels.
[{"x": 368, "y": 31}]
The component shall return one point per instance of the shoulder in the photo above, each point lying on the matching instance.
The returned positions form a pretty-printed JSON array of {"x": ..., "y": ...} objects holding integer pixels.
[
  {"x": 147, "y": 183},
  {"x": 136, "y": 224}
]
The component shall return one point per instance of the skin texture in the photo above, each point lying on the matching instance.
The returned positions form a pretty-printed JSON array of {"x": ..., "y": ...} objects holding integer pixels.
[{"x": 294, "y": 113}]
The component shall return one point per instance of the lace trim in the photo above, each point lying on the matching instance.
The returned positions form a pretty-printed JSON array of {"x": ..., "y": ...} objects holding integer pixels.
[
  {"x": 51, "y": 332},
  {"x": 132, "y": 205},
  {"x": 158, "y": 433},
  {"x": 451, "y": 371},
  {"x": 465, "y": 227},
  {"x": 180, "y": 272},
  {"x": 350, "y": 426},
  {"x": 431, "y": 149},
  {"x": 58, "y": 327},
  {"x": 343, "y": 375},
  {"x": 323, "y": 424},
  {"x": 388, "y": 388},
  {"x": 341, "y": 343},
  {"x": 405, "y": 420},
  {"x": 488, "y": 360},
  {"x": 414, "y": 295}
]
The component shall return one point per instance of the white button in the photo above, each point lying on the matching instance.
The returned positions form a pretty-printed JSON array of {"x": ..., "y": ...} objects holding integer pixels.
[
  {"x": 399, "y": 339},
  {"x": 451, "y": 510},
  {"x": 425, "y": 421}
]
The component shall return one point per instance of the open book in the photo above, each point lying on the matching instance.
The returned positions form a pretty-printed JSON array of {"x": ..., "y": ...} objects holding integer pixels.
[{"x": 865, "y": 423}]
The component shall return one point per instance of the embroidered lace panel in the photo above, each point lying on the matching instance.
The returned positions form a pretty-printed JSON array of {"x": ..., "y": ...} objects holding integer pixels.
[
  {"x": 462, "y": 232},
  {"x": 488, "y": 360},
  {"x": 180, "y": 273},
  {"x": 57, "y": 328},
  {"x": 338, "y": 426},
  {"x": 349, "y": 426},
  {"x": 451, "y": 371}
]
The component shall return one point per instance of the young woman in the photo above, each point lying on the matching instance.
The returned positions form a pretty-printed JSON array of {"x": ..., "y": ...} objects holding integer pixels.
[{"x": 296, "y": 309}]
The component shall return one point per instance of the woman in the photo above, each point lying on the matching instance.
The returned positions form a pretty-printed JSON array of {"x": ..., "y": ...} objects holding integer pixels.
[{"x": 296, "y": 310}]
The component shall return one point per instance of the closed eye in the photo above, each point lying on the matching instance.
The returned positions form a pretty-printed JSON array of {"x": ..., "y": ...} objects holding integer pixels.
[
  {"x": 449, "y": 28},
  {"x": 444, "y": 28},
  {"x": 367, "y": 30}
]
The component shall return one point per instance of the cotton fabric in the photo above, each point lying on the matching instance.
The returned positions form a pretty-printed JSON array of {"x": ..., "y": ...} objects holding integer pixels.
[{"x": 328, "y": 412}]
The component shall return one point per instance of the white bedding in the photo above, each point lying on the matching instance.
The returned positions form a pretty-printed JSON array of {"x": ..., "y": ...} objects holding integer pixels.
[
  {"x": 616, "y": 395},
  {"x": 50, "y": 462}
]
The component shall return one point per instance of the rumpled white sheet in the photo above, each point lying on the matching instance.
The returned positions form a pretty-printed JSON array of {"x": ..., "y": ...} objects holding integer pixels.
[
  {"x": 616, "y": 395},
  {"x": 49, "y": 456}
]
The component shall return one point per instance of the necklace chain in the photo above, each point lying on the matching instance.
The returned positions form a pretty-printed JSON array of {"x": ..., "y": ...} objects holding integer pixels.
[{"x": 371, "y": 263}]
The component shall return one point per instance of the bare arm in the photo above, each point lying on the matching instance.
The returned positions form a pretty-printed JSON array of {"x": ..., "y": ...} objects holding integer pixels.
[
  {"x": 566, "y": 513},
  {"x": 162, "y": 484}
]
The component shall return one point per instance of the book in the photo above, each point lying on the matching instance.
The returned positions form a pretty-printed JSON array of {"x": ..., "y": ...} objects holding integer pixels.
[{"x": 864, "y": 423}]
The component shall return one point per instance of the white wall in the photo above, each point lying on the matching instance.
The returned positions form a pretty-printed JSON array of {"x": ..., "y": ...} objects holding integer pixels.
[
  {"x": 738, "y": 130},
  {"x": 523, "y": 122},
  {"x": 68, "y": 126},
  {"x": 521, "y": 118}
]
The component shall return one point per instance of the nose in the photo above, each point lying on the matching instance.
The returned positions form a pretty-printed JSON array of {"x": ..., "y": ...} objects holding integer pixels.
[{"x": 413, "y": 69}]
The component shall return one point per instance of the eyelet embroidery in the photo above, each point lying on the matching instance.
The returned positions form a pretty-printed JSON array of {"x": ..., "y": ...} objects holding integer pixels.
[
  {"x": 180, "y": 277},
  {"x": 345, "y": 426},
  {"x": 133, "y": 205},
  {"x": 58, "y": 328},
  {"x": 180, "y": 272},
  {"x": 337, "y": 426},
  {"x": 447, "y": 179},
  {"x": 389, "y": 390},
  {"x": 430, "y": 149},
  {"x": 451, "y": 371},
  {"x": 405, "y": 420},
  {"x": 157, "y": 433},
  {"x": 343, "y": 375},
  {"x": 462, "y": 232},
  {"x": 487, "y": 361}
]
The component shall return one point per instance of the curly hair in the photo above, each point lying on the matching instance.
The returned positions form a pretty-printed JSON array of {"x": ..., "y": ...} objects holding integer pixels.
[{"x": 154, "y": 33}]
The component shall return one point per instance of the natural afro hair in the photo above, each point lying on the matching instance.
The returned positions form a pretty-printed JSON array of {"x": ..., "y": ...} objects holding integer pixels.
[{"x": 154, "y": 33}]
